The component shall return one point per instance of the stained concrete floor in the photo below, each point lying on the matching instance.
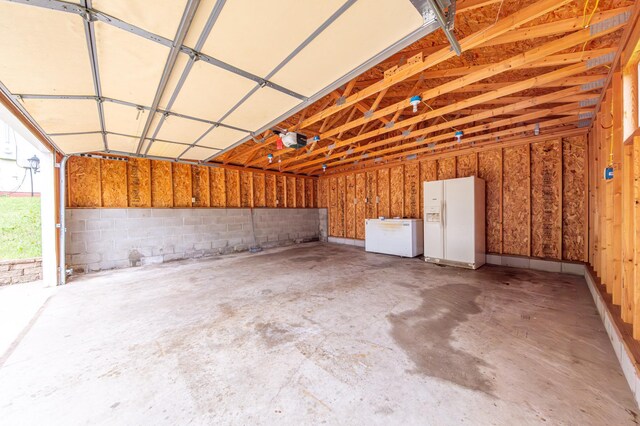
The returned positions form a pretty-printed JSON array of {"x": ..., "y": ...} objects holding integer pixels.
[{"x": 311, "y": 334}]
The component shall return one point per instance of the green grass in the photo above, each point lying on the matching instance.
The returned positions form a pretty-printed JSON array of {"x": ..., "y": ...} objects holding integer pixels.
[{"x": 20, "y": 234}]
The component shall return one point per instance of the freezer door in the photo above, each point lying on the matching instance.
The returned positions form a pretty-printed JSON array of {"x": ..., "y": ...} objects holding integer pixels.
[
  {"x": 459, "y": 221},
  {"x": 433, "y": 220}
]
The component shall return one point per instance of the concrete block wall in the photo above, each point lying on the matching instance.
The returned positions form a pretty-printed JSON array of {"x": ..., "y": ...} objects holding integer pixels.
[
  {"x": 20, "y": 270},
  {"x": 100, "y": 239}
]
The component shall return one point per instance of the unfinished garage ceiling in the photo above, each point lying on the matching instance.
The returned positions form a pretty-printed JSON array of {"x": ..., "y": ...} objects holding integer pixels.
[{"x": 188, "y": 79}]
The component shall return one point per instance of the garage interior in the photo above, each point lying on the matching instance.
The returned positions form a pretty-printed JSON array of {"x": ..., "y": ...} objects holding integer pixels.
[{"x": 219, "y": 167}]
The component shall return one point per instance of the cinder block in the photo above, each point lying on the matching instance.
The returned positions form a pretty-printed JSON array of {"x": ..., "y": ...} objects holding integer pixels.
[
  {"x": 173, "y": 256},
  {"x": 192, "y": 220},
  {"x": 545, "y": 265},
  {"x": 234, "y": 227},
  {"x": 192, "y": 238},
  {"x": 493, "y": 259},
  {"x": 113, "y": 213},
  {"x": 219, "y": 243},
  {"x": 76, "y": 225},
  {"x": 138, "y": 213},
  {"x": 85, "y": 236},
  {"x": 172, "y": 221},
  {"x": 202, "y": 246},
  {"x": 99, "y": 224},
  {"x": 515, "y": 262},
  {"x": 573, "y": 268},
  {"x": 151, "y": 260},
  {"x": 78, "y": 214},
  {"x": 85, "y": 258},
  {"x": 99, "y": 246}
]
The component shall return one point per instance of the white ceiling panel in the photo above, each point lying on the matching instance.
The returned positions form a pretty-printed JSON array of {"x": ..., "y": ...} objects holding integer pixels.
[
  {"x": 124, "y": 119},
  {"x": 221, "y": 137},
  {"x": 364, "y": 30},
  {"x": 177, "y": 129},
  {"x": 198, "y": 153},
  {"x": 181, "y": 62},
  {"x": 261, "y": 108},
  {"x": 161, "y": 17},
  {"x": 198, "y": 22},
  {"x": 73, "y": 144},
  {"x": 64, "y": 115},
  {"x": 270, "y": 31},
  {"x": 209, "y": 92},
  {"x": 122, "y": 143},
  {"x": 130, "y": 66},
  {"x": 43, "y": 52},
  {"x": 166, "y": 149}
]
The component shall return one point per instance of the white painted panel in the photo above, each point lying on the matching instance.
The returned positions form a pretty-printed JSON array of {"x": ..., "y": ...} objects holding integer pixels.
[
  {"x": 261, "y": 108},
  {"x": 177, "y": 129},
  {"x": 73, "y": 144},
  {"x": 367, "y": 28},
  {"x": 161, "y": 17},
  {"x": 433, "y": 219},
  {"x": 222, "y": 137},
  {"x": 178, "y": 68},
  {"x": 198, "y": 153},
  {"x": 43, "y": 52},
  {"x": 166, "y": 149},
  {"x": 130, "y": 66},
  {"x": 256, "y": 35},
  {"x": 459, "y": 222},
  {"x": 124, "y": 119},
  {"x": 64, "y": 115},
  {"x": 122, "y": 143}
]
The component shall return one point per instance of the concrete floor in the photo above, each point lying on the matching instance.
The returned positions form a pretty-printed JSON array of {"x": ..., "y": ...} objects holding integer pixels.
[{"x": 312, "y": 334}]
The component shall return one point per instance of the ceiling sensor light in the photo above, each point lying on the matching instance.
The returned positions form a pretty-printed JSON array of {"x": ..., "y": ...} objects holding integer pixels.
[
  {"x": 536, "y": 129},
  {"x": 315, "y": 139},
  {"x": 415, "y": 101},
  {"x": 270, "y": 157},
  {"x": 324, "y": 168},
  {"x": 459, "y": 135}
]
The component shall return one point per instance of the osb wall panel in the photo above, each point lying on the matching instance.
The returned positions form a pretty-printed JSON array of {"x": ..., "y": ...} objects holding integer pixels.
[
  {"x": 83, "y": 177},
  {"x": 573, "y": 198},
  {"x": 246, "y": 197},
  {"x": 515, "y": 199},
  {"x": 340, "y": 200},
  {"x": 428, "y": 173},
  {"x": 309, "y": 193},
  {"x": 299, "y": 192},
  {"x": 161, "y": 184},
  {"x": 139, "y": 182},
  {"x": 372, "y": 208},
  {"x": 546, "y": 199},
  {"x": 396, "y": 187},
  {"x": 259, "y": 195},
  {"x": 270, "y": 190},
  {"x": 361, "y": 194},
  {"x": 323, "y": 193},
  {"x": 447, "y": 168},
  {"x": 466, "y": 165},
  {"x": 181, "y": 185},
  {"x": 232, "y": 183},
  {"x": 383, "y": 198},
  {"x": 114, "y": 187},
  {"x": 333, "y": 206},
  {"x": 200, "y": 186},
  {"x": 350, "y": 207},
  {"x": 411, "y": 190},
  {"x": 290, "y": 186},
  {"x": 280, "y": 191},
  {"x": 490, "y": 169},
  {"x": 134, "y": 182},
  {"x": 218, "y": 188}
]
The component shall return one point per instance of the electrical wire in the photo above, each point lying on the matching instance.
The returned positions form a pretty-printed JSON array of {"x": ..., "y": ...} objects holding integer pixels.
[
  {"x": 443, "y": 117},
  {"x": 24, "y": 176},
  {"x": 586, "y": 22}
]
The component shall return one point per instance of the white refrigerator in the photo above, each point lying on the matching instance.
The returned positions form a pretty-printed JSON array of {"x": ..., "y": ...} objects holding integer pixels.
[{"x": 454, "y": 224}]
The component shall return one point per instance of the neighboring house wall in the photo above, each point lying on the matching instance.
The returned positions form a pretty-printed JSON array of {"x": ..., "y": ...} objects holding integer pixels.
[
  {"x": 14, "y": 154},
  {"x": 20, "y": 270}
]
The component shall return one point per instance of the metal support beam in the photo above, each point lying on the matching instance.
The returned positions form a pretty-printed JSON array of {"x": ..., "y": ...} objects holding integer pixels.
[
  {"x": 95, "y": 71},
  {"x": 181, "y": 33},
  {"x": 445, "y": 22}
]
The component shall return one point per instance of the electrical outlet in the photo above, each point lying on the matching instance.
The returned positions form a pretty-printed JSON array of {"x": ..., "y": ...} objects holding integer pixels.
[{"x": 193, "y": 199}]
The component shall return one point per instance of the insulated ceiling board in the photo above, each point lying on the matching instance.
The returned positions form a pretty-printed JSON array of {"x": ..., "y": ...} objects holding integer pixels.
[
  {"x": 199, "y": 21},
  {"x": 166, "y": 149},
  {"x": 178, "y": 129},
  {"x": 181, "y": 62},
  {"x": 209, "y": 92},
  {"x": 161, "y": 17},
  {"x": 44, "y": 52},
  {"x": 73, "y": 144},
  {"x": 124, "y": 119},
  {"x": 198, "y": 153},
  {"x": 130, "y": 66},
  {"x": 269, "y": 31},
  {"x": 260, "y": 108},
  {"x": 64, "y": 115},
  {"x": 221, "y": 137},
  {"x": 122, "y": 143},
  {"x": 365, "y": 29}
]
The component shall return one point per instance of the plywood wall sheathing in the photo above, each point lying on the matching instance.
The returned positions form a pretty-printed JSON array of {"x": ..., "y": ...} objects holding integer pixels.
[
  {"x": 161, "y": 184},
  {"x": 372, "y": 209},
  {"x": 299, "y": 192},
  {"x": 290, "y": 186},
  {"x": 83, "y": 177},
  {"x": 280, "y": 191},
  {"x": 200, "y": 186},
  {"x": 360, "y": 196},
  {"x": 259, "y": 194},
  {"x": 428, "y": 173},
  {"x": 350, "y": 207},
  {"x": 270, "y": 190},
  {"x": 333, "y": 207},
  {"x": 246, "y": 189},
  {"x": 218, "y": 188},
  {"x": 574, "y": 207},
  {"x": 412, "y": 190},
  {"x": 546, "y": 199},
  {"x": 447, "y": 168},
  {"x": 139, "y": 182},
  {"x": 396, "y": 191},
  {"x": 466, "y": 165},
  {"x": 114, "y": 187},
  {"x": 490, "y": 169},
  {"x": 182, "y": 190},
  {"x": 515, "y": 201},
  {"x": 232, "y": 184},
  {"x": 341, "y": 194},
  {"x": 309, "y": 193},
  {"x": 323, "y": 193}
]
